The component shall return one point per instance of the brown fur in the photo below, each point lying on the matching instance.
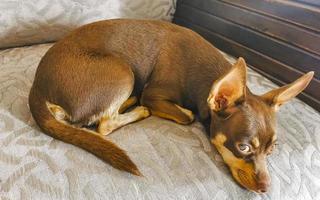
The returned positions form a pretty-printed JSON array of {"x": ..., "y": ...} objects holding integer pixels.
[{"x": 87, "y": 78}]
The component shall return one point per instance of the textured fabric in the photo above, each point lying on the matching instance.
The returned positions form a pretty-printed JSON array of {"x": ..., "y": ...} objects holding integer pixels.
[
  {"x": 177, "y": 161},
  {"x": 35, "y": 21}
]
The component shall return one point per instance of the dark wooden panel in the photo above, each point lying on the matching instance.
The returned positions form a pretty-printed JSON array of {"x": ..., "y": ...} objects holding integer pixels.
[
  {"x": 281, "y": 45},
  {"x": 272, "y": 69},
  {"x": 269, "y": 26},
  {"x": 275, "y": 49},
  {"x": 299, "y": 16}
]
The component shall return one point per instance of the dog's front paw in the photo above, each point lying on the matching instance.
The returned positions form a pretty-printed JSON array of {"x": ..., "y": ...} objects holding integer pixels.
[
  {"x": 189, "y": 115},
  {"x": 143, "y": 111}
]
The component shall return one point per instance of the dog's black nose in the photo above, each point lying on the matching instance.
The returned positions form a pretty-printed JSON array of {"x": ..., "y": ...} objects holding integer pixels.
[
  {"x": 263, "y": 187},
  {"x": 262, "y": 190},
  {"x": 263, "y": 182}
]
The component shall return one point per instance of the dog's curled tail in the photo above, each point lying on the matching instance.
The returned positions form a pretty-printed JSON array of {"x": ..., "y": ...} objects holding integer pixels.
[{"x": 83, "y": 138}]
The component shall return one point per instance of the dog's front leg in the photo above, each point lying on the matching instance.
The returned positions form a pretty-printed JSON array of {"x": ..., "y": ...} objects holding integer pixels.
[{"x": 169, "y": 110}]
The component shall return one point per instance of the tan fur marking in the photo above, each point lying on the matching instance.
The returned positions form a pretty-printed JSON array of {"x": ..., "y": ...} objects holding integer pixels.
[
  {"x": 274, "y": 138},
  {"x": 58, "y": 112},
  {"x": 255, "y": 142},
  {"x": 172, "y": 117},
  {"x": 166, "y": 116},
  {"x": 127, "y": 104},
  {"x": 242, "y": 171},
  {"x": 186, "y": 111}
]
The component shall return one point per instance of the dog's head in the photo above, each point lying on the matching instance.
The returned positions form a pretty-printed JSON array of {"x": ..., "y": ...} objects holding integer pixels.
[{"x": 243, "y": 124}]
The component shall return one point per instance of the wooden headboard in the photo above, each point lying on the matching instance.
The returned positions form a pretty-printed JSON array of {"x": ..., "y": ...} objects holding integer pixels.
[{"x": 280, "y": 39}]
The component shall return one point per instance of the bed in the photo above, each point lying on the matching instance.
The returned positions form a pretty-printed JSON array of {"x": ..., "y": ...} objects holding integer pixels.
[{"x": 177, "y": 161}]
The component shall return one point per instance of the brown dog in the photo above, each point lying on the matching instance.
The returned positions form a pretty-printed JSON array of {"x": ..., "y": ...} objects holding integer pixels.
[{"x": 96, "y": 72}]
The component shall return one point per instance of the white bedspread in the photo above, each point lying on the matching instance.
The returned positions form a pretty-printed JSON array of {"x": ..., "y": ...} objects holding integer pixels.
[{"x": 177, "y": 161}]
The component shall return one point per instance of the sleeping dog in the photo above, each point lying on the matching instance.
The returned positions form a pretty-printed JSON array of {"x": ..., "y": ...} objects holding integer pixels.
[{"x": 98, "y": 71}]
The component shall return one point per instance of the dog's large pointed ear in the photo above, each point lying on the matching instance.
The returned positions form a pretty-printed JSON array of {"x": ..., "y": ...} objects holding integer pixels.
[
  {"x": 277, "y": 97},
  {"x": 230, "y": 88}
]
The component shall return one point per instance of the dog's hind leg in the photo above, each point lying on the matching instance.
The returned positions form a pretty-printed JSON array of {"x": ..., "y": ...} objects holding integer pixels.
[{"x": 108, "y": 124}]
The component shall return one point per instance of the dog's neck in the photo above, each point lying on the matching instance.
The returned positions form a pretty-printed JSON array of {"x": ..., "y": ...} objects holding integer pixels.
[{"x": 200, "y": 82}]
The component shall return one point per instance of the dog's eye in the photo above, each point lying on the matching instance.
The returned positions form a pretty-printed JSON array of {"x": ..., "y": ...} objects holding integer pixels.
[{"x": 244, "y": 148}]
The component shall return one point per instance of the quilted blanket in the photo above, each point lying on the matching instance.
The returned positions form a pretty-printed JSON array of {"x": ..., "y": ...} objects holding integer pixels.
[{"x": 177, "y": 161}]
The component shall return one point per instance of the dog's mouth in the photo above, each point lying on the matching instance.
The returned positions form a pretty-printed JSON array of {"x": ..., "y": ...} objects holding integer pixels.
[
  {"x": 243, "y": 178},
  {"x": 247, "y": 180}
]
